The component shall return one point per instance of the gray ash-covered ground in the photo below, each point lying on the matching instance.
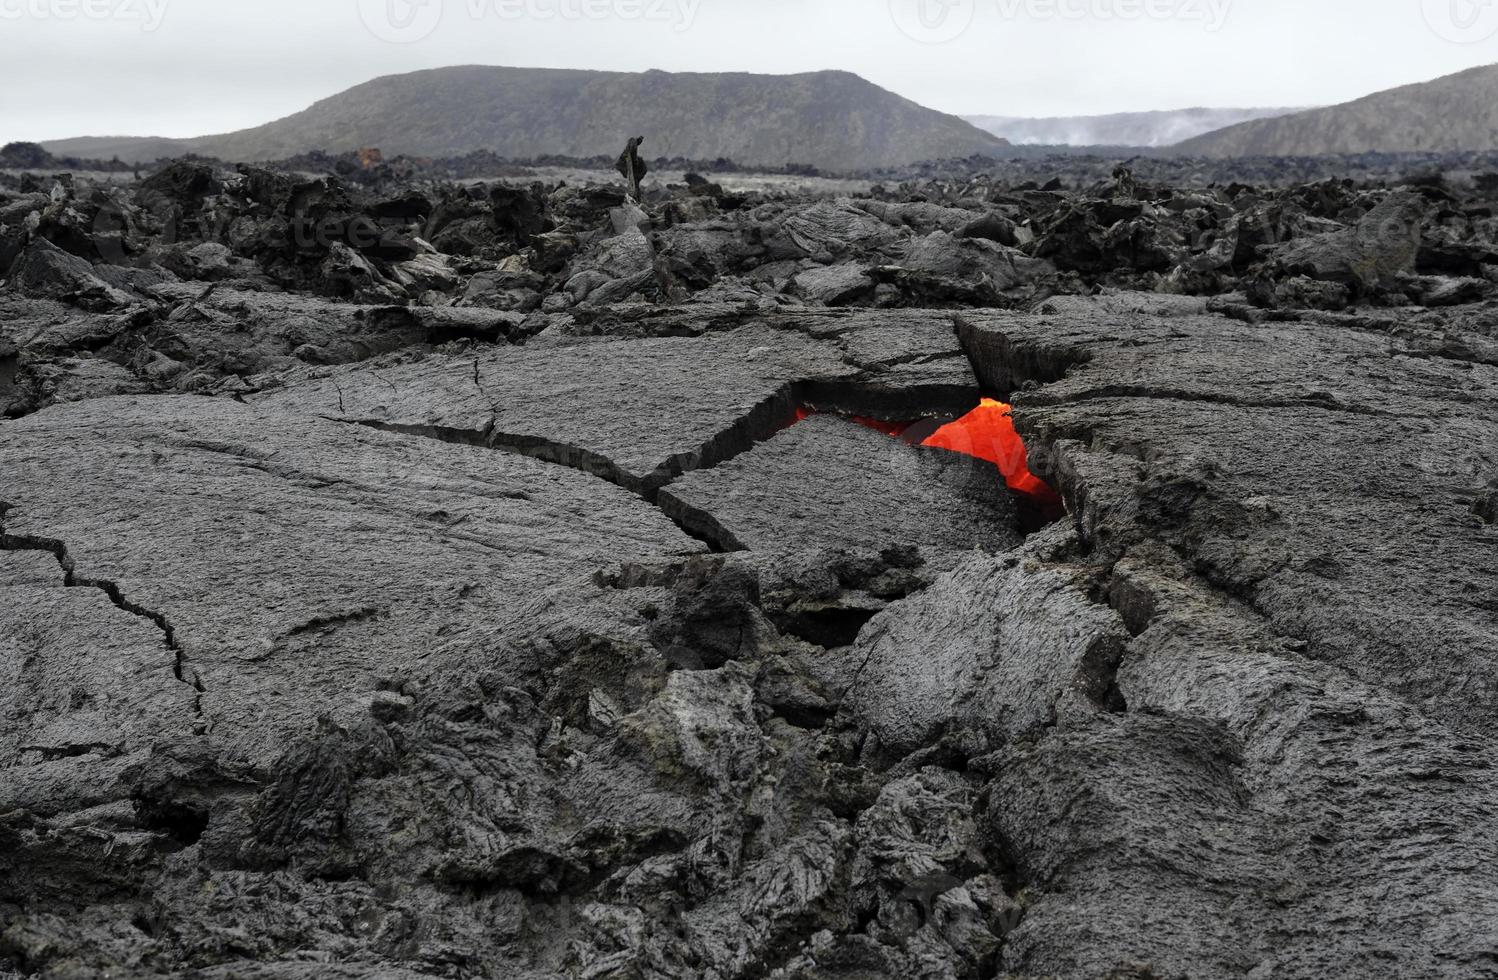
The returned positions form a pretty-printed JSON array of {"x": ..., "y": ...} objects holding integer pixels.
[{"x": 420, "y": 579}]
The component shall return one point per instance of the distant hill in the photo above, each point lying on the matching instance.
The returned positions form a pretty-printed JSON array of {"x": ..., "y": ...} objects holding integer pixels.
[
  {"x": 832, "y": 120},
  {"x": 1457, "y": 112},
  {"x": 1145, "y": 129},
  {"x": 130, "y": 149}
]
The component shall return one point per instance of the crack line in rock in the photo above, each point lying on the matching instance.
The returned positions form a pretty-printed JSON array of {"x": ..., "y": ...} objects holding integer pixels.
[
  {"x": 544, "y": 450},
  {"x": 1148, "y": 393},
  {"x": 1241, "y": 596},
  {"x": 71, "y": 579},
  {"x": 764, "y": 420}
]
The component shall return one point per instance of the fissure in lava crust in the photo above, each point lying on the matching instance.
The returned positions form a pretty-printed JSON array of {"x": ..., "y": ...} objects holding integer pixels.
[{"x": 987, "y": 433}]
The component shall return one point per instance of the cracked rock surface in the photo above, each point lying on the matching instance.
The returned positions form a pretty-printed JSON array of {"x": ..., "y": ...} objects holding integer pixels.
[
  {"x": 188, "y": 509},
  {"x": 684, "y": 398},
  {"x": 829, "y": 482},
  {"x": 516, "y": 586},
  {"x": 1313, "y": 472}
]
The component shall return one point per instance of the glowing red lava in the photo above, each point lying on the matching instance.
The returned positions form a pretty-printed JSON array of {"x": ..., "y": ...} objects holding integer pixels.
[
  {"x": 896, "y": 429},
  {"x": 988, "y": 433}
]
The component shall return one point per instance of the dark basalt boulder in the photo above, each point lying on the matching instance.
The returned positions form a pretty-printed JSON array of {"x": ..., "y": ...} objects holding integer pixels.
[
  {"x": 183, "y": 183},
  {"x": 1384, "y": 242},
  {"x": 519, "y": 215},
  {"x": 44, "y": 271},
  {"x": 993, "y": 227}
]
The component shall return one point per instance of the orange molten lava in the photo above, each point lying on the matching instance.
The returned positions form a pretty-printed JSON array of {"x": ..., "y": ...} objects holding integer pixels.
[
  {"x": 896, "y": 429},
  {"x": 987, "y": 432}
]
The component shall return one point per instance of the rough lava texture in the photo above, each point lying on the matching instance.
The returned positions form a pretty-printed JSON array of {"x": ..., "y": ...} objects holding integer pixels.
[
  {"x": 415, "y": 579},
  {"x": 878, "y": 493}
]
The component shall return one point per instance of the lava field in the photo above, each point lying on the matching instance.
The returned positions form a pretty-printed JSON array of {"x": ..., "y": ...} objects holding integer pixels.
[{"x": 405, "y": 578}]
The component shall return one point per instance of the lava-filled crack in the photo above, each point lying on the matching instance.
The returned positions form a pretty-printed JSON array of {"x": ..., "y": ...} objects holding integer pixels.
[
  {"x": 1026, "y": 365},
  {"x": 986, "y": 432},
  {"x": 71, "y": 579},
  {"x": 789, "y": 404}
]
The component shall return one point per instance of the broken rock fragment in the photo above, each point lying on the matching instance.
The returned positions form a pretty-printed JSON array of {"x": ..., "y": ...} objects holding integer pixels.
[
  {"x": 1000, "y": 646},
  {"x": 1385, "y": 242}
]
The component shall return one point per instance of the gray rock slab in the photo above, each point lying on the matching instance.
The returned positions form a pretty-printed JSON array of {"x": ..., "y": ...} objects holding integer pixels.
[
  {"x": 637, "y": 412},
  {"x": 1111, "y": 351},
  {"x": 294, "y": 559},
  {"x": 829, "y": 482},
  {"x": 973, "y": 261},
  {"x": 80, "y": 677},
  {"x": 833, "y": 285},
  {"x": 641, "y": 411},
  {"x": 829, "y": 229},
  {"x": 1261, "y": 805}
]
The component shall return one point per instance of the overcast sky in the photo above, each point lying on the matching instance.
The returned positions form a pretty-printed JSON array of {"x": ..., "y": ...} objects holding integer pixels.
[{"x": 190, "y": 67}]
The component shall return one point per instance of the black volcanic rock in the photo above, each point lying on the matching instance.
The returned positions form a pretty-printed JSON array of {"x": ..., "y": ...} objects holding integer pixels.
[
  {"x": 402, "y": 638},
  {"x": 1384, "y": 243},
  {"x": 44, "y": 271}
]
